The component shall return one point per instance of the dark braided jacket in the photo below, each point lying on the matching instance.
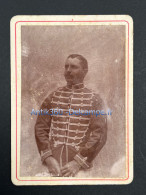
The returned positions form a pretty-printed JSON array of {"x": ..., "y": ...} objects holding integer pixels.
[{"x": 71, "y": 136}]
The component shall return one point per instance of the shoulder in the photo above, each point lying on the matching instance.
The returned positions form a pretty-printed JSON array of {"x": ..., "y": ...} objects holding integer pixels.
[
  {"x": 97, "y": 101},
  {"x": 96, "y": 97},
  {"x": 59, "y": 89},
  {"x": 48, "y": 99}
]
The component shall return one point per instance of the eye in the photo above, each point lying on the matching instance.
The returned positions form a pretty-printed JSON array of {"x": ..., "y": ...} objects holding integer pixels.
[
  {"x": 66, "y": 66},
  {"x": 74, "y": 67}
]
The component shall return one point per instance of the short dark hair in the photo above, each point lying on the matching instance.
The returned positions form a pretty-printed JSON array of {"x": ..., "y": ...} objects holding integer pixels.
[{"x": 83, "y": 60}]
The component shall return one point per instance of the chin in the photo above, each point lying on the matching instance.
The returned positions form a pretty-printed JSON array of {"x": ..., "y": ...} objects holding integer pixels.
[{"x": 70, "y": 81}]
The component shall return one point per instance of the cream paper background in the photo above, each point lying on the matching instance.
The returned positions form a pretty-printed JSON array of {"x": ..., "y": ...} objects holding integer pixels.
[{"x": 41, "y": 51}]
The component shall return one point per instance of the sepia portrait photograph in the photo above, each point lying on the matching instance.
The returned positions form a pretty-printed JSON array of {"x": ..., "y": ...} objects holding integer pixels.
[{"x": 72, "y": 100}]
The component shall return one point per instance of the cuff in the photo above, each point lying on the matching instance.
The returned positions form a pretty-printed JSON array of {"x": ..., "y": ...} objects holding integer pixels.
[
  {"x": 45, "y": 154},
  {"x": 82, "y": 161}
]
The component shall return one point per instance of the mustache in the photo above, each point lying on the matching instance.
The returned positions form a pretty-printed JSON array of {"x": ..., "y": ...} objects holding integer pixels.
[{"x": 68, "y": 76}]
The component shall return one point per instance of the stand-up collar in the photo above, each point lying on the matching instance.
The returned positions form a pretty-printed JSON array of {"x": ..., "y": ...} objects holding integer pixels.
[{"x": 76, "y": 86}]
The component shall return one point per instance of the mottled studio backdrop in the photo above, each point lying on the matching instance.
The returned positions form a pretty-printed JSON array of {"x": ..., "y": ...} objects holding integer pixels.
[{"x": 44, "y": 51}]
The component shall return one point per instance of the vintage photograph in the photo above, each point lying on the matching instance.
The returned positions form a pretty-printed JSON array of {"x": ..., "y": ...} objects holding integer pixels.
[{"x": 73, "y": 100}]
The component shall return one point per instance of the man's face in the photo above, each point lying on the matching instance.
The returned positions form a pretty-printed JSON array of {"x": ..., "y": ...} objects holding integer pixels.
[{"x": 74, "y": 73}]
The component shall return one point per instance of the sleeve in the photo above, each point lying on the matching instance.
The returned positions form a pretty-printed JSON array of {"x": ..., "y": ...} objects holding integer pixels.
[
  {"x": 42, "y": 129},
  {"x": 97, "y": 134}
]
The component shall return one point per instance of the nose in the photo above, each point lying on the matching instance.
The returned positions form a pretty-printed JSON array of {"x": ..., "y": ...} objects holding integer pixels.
[{"x": 69, "y": 69}]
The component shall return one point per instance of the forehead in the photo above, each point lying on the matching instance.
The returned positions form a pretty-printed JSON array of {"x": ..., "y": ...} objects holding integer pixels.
[{"x": 73, "y": 61}]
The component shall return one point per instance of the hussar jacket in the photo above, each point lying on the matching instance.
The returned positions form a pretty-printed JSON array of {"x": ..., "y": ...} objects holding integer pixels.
[{"x": 71, "y": 128}]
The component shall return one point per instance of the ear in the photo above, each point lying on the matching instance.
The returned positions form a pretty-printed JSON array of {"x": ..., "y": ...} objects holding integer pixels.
[{"x": 85, "y": 72}]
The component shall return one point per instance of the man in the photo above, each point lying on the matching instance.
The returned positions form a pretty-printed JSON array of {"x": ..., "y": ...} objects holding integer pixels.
[{"x": 69, "y": 142}]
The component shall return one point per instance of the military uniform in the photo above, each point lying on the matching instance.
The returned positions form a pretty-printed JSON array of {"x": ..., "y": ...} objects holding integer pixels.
[{"x": 71, "y": 136}]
